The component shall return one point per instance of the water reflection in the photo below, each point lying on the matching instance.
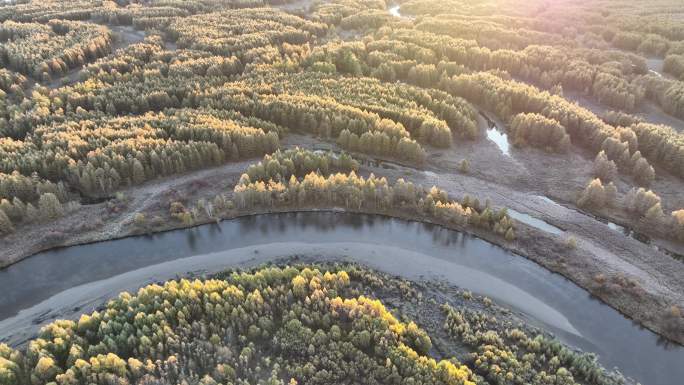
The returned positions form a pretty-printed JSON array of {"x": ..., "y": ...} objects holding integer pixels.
[
  {"x": 499, "y": 137},
  {"x": 395, "y": 11},
  {"x": 534, "y": 222},
  {"x": 426, "y": 250}
]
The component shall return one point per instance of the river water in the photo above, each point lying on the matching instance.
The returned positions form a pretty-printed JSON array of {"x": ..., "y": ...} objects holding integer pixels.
[
  {"x": 496, "y": 135},
  {"x": 69, "y": 281}
]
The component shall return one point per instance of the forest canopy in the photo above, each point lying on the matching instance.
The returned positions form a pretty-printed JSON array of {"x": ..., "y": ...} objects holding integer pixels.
[
  {"x": 281, "y": 325},
  {"x": 129, "y": 117}
]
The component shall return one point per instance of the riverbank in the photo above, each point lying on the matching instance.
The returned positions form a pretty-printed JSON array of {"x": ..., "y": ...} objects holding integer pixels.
[
  {"x": 388, "y": 259},
  {"x": 552, "y": 252},
  {"x": 577, "y": 263},
  {"x": 632, "y": 277},
  {"x": 67, "y": 282},
  {"x": 432, "y": 304}
]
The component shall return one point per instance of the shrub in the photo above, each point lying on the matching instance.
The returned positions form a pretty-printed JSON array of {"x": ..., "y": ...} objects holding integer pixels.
[{"x": 597, "y": 195}]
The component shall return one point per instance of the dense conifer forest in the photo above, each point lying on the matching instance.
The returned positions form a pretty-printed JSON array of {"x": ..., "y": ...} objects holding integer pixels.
[
  {"x": 290, "y": 325},
  {"x": 207, "y": 86},
  {"x": 132, "y": 117}
]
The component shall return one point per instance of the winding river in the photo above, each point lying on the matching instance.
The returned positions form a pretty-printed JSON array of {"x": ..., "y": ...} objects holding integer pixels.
[{"x": 69, "y": 281}]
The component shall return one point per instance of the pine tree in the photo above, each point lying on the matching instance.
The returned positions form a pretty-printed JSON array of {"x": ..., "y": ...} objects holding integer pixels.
[
  {"x": 138, "y": 172},
  {"x": 510, "y": 235},
  {"x": 640, "y": 200},
  {"x": 654, "y": 214},
  {"x": 6, "y": 226},
  {"x": 32, "y": 213},
  {"x": 464, "y": 166},
  {"x": 604, "y": 168},
  {"x": 49, "y": 206},
  {"x": 593, "y": 195},
  {"x": 678, "y": 223},
  {"x": 643, "y": 172},
  {"x": 19, "y": 209}
]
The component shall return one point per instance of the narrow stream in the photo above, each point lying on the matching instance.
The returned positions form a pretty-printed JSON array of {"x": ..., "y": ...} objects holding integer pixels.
[
  {"x": 611, "y": 225},
  {"x": 69, "y": 281},
  {"x": 534, "y": 222},
  {"x": 499, "y": 137},
  {"x": 655, "y": 66}
]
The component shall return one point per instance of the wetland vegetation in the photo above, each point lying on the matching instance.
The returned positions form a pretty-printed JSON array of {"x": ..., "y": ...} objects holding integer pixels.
[{"x": 529, "y": 127}]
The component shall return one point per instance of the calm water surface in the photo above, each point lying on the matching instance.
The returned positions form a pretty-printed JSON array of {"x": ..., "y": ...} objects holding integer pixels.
[{"x": 407, "y": 248}]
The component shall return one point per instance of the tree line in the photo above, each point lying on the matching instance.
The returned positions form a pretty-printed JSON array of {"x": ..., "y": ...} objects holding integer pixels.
[
  {"x": 100, "y": 154},
  {"x": 282, "y": 164},
  {"x": 513, "y": 356},
  {"x": 350, "y": 14},
  {"x": 354, "y": 192},
  {"x": 539, "y": 131},
  {"x": 47, "y": 207},
  {"x": 667, "y": 93},
  {"x": 605, "y": 75},
  {"x": 28, "y": 199},
  {"x": 326, "y": 118},
  {"x": 42, "y": 12},
  {"x": 644, "y": 206},
  {"x": 137, "y": 15},
  {"x": 46, "y": 51},
  {"x": 408, "y": 105},
  {"x": 239, "y": 31},
  {"x": 506, "y": 98},
  {"x": 608, "y": 74},
  {"x": 563, "y": 24},
  {"x": 11, "y": 82},
  {"x": 587, "y": 128},
  {"x": 674, "y": 65}
]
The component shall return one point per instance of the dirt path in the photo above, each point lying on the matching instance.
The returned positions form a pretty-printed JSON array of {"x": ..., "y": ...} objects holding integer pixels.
[{"x": 144, "y": 197}]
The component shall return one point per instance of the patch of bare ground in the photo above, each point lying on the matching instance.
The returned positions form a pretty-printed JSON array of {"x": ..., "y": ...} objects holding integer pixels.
[{"x": 113, "y": 218}]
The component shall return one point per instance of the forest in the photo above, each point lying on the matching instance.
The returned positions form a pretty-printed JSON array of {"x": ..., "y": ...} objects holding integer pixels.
[
  {"x": 278, "y": 185},
  {"x": 553, "y": 130},
  {"x": 285, "y": 325}
]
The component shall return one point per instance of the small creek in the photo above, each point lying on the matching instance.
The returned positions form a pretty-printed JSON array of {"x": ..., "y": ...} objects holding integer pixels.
[
  {"x": 496, "y": 135},
  {"x": 534, "y": 222},
  {"x": 69, "y": 281}
]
